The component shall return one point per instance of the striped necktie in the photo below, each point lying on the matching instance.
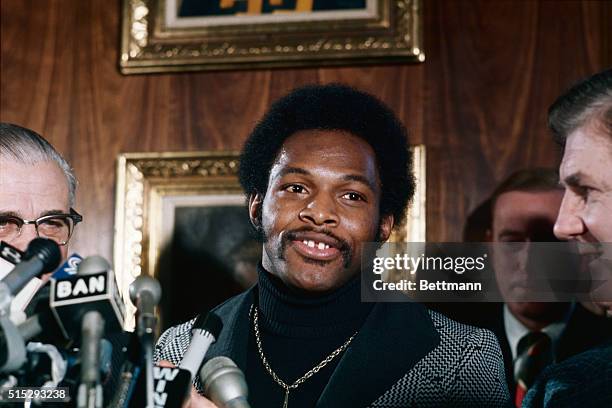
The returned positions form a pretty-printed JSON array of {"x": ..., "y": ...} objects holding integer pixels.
[{"x": 534, "y": 352}]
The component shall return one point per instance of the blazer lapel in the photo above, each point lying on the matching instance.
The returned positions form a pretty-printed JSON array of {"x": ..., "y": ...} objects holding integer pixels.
[
  {"x": 234, "y": 337},
  {"x": 394, "y": 337}
]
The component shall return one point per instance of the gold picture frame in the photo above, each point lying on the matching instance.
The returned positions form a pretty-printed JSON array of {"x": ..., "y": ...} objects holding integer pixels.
[
  {"x": 155, "y": 190},
  {"x": 156, "y": 38}
]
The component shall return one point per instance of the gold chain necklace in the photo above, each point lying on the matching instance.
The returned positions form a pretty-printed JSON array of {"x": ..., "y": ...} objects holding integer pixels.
[{"x": 303, "y": 378}]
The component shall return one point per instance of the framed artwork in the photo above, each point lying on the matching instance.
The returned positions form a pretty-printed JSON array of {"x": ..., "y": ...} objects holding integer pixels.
[
  {"x": 189, "y": 35},
  {"x": 182, "y": 218}
]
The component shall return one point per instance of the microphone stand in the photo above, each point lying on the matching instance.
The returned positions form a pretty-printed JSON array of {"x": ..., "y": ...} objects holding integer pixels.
[
  {"x": 145, "y": 293},
  {"x": 146, "y": 326},
  {"x": 147, "y": 345},
  {"x": 90, "y": 390}
]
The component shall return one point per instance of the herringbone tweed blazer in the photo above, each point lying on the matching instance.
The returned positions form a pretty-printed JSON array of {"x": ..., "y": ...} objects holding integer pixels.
[{"x": 403, "y": 356}]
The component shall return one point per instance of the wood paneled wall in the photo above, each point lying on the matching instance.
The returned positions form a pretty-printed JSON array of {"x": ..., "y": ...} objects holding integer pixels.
[{"x": 478, "y": 102}]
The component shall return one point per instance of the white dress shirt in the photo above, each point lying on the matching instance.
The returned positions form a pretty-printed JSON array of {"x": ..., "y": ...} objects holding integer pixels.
[{"x": 515, "y": 330}]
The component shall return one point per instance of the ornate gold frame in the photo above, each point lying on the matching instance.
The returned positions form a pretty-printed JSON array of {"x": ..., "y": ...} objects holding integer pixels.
[
  {"x": 144, "y": 180},
  {"x": 149, "y": 45}
]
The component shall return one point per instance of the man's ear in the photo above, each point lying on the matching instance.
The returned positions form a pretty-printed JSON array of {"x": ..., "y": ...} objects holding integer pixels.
[
  {"x": 386, "y": 226},
  {"x": 255, "y": 203}
]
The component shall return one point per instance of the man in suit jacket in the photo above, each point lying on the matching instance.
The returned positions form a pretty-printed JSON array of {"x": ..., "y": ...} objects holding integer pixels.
[
  {"x": 523, "y": 209},
  {"x": 37, "y": 184},
  {"x": 581, "y": 121},
  {"x": 324, "y": 172}
]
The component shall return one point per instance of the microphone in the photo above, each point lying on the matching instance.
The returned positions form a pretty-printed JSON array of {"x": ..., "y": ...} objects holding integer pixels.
[
  {"x": 224, "y": 384},
  {"x": 86, "y": 304},
  {"x": 42, "y": 326},
  {"x": 145, "y": 293},
  {"x": 130, "y": 370},
  {"x": 74, "y": 361},
  {"x": 204, "y": 332},
  {"x": 9, "y": 257},
  {"x": 69, "y": 267},
  {"x": 93, "y": 288},
  {"x": 12, "y": 347},
  {"x": 171, "y": 385},
  {"x": 42, "y": 256},
  {"x": 89, "y": 394}
]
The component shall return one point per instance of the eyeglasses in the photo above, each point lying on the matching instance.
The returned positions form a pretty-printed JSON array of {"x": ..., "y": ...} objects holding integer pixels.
[{"x": 58, "y": 227}]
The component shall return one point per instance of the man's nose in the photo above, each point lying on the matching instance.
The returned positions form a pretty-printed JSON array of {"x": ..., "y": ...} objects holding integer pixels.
[
  {"x": 569, "y": 224},
  {"x": 27, "y": 234},
  {"x": 320, "y": 210}
]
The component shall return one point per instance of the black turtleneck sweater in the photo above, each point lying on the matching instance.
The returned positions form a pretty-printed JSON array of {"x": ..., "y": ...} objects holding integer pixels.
[{"x": 297, "y": 332}]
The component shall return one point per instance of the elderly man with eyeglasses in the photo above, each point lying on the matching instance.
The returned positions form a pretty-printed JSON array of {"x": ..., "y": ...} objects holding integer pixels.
[{"x": 37, "y": 191}]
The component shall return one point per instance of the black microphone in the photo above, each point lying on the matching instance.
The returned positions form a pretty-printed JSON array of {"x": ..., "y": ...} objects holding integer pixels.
[
  {"x": 224, "y": 384},
  {"x": 171, "y": 387},
  {"x": 130, "y": 370},
  {"x": 93, "y": 288},
  {"x": 42, "y": 256},
  {"x": 86, "y": 305}
]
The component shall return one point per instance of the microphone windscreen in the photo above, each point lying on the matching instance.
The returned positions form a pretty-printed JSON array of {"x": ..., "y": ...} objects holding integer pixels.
[
  {"x": 47, "y": 251},
  {"x": 224, "y": 383},
  {"x": 210, "y": 323},
  {"x": 93, "y": 264}
]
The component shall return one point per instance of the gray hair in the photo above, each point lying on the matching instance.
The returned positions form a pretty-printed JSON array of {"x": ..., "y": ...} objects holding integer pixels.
[
  {"x": 28, "y": 147},
  {"x": 589, "y": 99}
]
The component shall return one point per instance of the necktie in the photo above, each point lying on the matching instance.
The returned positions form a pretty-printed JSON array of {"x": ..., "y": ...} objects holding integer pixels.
[{"x": 534, "y": 352}]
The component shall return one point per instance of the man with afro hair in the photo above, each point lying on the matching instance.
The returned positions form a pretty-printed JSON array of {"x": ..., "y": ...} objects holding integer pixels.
[{"x": 324, "y": 171}]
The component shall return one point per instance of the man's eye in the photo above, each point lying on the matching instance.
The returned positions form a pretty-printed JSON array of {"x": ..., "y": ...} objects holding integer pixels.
[
  {"x": 353, "y": 196},
  {"x": 53, "y": 223},
  {"x": 8, "y": 224},
  {"x": 583, "y": 192},
  {"x": 295, "y": 188}
]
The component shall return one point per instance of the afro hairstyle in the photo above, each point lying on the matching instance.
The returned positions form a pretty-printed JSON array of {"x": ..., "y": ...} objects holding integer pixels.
[{"x": 333, "y": 107}]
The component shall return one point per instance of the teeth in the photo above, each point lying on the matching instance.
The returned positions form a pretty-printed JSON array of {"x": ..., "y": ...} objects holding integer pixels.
[{"x": 312, "y": 244}]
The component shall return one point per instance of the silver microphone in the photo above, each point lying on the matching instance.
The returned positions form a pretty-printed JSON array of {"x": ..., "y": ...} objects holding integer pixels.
[
  {"x": 145, "y": 293},
  {"x": 224, "y": 383}
]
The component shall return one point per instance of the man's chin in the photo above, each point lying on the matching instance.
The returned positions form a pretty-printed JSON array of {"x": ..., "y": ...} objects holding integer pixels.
[{"x": 316, "y": 281}]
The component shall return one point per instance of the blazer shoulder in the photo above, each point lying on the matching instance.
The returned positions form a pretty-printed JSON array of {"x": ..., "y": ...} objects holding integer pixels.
[
  {"x": 173, "y": 342},
  {"x": 454, "y": 334},
  {"x": 474, "y": 361},
  {"x": 464, "y": 370}
]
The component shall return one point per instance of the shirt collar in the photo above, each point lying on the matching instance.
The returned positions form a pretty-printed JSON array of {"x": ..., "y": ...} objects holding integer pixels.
[{"x": 515, "y": 330}]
